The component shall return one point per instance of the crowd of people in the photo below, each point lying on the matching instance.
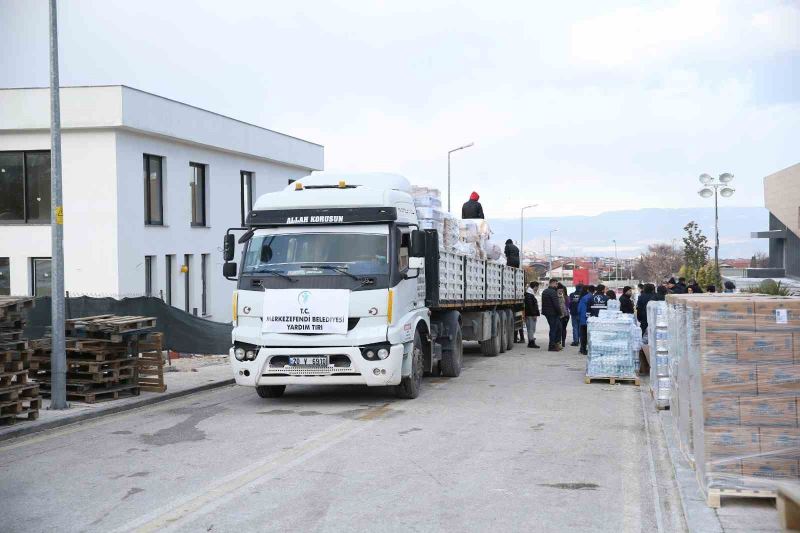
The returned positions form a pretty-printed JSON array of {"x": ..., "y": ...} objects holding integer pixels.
[{"x": 559, "y": 308}]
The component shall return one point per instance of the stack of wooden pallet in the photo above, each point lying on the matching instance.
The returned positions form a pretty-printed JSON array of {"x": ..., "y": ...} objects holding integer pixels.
[
  {"x": 102, "y": 357},
  {"x": 19, "y": 399},
  {"x": 151, "y": 363}
]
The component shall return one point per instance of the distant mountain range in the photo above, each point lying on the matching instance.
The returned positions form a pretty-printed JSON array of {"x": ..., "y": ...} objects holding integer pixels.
[{"x": 634, "y": 230}]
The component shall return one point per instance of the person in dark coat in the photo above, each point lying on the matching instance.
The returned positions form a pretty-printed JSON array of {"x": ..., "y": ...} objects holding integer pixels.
[
  {"x": 472, "y": 208},
  {"x": 661, "y": 293},
  {"x": 625, "y": 301},
  {"x": 574, "y": 301},
  {"x": 531, "y": 313},
  {"x": 551, "y": 309},
  {"x": 680, "y": 287},
  {"x": 583, "y": 312},
  {"x": 599, "y": 300},
  {"x": 512, "y": 254},
  {"x": 648, "y": 294}
]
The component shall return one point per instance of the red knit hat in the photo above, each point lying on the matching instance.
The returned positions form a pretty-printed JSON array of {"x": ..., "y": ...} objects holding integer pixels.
[{"x": 474, "y": 196}]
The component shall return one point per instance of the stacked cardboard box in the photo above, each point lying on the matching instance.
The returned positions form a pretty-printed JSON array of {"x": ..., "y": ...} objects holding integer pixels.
[{"x": 744, "y": 372}]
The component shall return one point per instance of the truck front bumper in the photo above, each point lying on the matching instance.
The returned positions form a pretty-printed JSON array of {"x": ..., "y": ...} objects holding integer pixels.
[{"x": 351, "y": 368}]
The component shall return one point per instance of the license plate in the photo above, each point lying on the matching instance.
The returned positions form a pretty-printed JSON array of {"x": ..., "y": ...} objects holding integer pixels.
[{"x": 316, "y": 360}]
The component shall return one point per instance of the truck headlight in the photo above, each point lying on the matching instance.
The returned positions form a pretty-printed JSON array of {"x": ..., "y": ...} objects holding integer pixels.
[
  {"x": 250, "y": 355},
  {"x": 239, "y": 354},
  {"x": 374, "y": 352}
]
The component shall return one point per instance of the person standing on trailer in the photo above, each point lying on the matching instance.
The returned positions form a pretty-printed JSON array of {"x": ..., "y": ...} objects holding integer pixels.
[{"x": 472, "y": 208}]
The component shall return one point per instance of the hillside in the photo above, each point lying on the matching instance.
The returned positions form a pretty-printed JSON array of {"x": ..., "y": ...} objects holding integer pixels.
[{"x": 635, "y": 229}]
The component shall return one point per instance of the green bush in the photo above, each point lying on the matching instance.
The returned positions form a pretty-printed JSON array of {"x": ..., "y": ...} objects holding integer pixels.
[{"x": 769, "y": 287}]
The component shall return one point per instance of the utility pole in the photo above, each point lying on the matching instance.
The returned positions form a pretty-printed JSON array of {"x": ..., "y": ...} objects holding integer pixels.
[
  {"x": 522, "y": 234},
  {"x": 448, "y": 170},
  {"x": 550, "y": 255},
  {"x": 616, "y": 261},
  {"x": 58, "y": 355}
]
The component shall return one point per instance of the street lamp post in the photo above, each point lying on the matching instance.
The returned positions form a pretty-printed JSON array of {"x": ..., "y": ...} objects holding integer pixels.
[
  {"x": 616, "y": 261},
  {"x": 716, "y": 187},
  {"x": 550, "y": 254},
  {"x": 522, "y": 235},
  {"x": 448, "y": 170}
]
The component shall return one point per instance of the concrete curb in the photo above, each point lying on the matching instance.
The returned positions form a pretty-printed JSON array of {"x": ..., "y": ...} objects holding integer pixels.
[{"x": 24, "y": 430}]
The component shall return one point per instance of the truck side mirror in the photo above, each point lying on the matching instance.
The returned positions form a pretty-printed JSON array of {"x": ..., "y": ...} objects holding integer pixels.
[
  {"x": 229, "y": 270},
  {"x": 228, "y": 247},
  {"x": 418, "y": 243}
]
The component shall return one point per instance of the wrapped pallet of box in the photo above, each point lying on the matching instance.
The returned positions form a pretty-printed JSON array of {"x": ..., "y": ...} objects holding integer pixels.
[
  {"x": 614, "y": 343},
  {"x": 745, "y": 383},
  {"x": 680, "y": 340},
  {"x": 658, "y": 342}
]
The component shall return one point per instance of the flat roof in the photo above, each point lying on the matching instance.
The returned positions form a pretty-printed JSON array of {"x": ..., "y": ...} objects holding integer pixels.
[{"x": 127, "y": 108}]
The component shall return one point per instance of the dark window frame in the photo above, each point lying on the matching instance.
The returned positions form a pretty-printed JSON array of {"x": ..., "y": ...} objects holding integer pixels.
[
  {"x": 202, "y": 190},
  {"x": 204, "y": 259},
  {"x": 187, "y": 259},
  {"x": 168, "y": 268},
  {"x": 25, "y": 219},
  {"x": 148, "y": 221},
  {"x": 247, "y": 177},
  {"x": 7, "y": 266},
  {"x": 148, "y": 274},
  {"x": 33, "y": 274}
]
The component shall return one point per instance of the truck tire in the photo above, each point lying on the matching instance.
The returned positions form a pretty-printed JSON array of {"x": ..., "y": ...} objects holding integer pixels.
[
  {"x": 491, "y": 347},
  {"x": 510, "y": 333},
  {"x": 452, "y": 360},
  {"x": 410, "y": 385},
  {"x": 270, "y": 391},
  {"x": 503, "y": 324}
]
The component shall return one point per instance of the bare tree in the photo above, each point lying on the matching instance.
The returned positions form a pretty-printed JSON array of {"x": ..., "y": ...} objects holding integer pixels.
[
  {"x": 759, "y": 260},
  {"x": 660, "y": 262}
]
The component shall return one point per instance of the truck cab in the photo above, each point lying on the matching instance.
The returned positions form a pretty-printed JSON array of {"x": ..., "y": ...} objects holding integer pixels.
[{"x": 330, "y": 288}]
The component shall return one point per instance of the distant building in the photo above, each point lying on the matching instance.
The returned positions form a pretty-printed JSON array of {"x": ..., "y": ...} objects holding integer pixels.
[
  {"x": 782, "y": 199},
  {"x": 150, "y": 187}
]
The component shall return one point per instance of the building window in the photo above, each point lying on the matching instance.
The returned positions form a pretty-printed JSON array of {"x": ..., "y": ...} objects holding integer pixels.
[
  {"x": 5, "y": 276},
  {"x": 42, "y": 284},
  {"x": 247, "y": 194},
  {"x": 168, "y": 261},
  {"x": 204, "y": 284},
  {"x": 153, "y": 190},
  {"x": 291, "y": 181},
  {"x": 25, "y": 187},
  {"x": 187, "y": 260},
  {"x": 149, "y": 274},
  {"x": 198, "y": 186}
]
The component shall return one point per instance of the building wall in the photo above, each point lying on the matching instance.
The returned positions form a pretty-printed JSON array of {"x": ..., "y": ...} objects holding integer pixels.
[
  {"x": 782, "y": 199},
  {"x": 89, "y": 194},
  {"x": 177, "y": 237}
]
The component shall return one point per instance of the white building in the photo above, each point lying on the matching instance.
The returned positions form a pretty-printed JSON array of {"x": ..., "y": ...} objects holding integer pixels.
[{"x": 150, "y": 186}]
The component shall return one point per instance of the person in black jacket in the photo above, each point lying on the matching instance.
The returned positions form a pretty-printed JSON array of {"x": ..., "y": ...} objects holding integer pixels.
[
  {"x": 648, "y": 294},
  {"x": 625, "y": 301},
  {"x": 599, "y": 300},
  {"x": 551, "y": 309},
  {"x": 531, "y": 313},
  {"x": 472, "y": 208},
  {"x": 512, "y": 254}
]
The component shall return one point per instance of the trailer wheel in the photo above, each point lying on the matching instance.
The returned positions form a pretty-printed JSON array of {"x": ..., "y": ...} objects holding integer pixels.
[
  {"x": 510, "y": 330},
  {"x": 452, "y": 360},
  {"x": 410, "y": 385},
  {"x": 270, "y": 391},
  {"x": 491, "y": 347},
  {"x": 503, "y": 329}
]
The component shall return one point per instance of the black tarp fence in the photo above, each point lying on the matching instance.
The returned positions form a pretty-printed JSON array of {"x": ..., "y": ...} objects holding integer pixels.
[{"x": 182, "y": 331}]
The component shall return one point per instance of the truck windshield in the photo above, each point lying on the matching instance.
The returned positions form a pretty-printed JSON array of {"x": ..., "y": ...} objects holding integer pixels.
[{"x": 297, "y": 253}]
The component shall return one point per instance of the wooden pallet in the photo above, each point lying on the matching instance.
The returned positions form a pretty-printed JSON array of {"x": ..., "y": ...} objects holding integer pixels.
[
  {"x": 87, "y": 366},
  {"x": 25, "y": 414},
  {"x": 14, "y": 305},
  {"x": 103, "y": 394},
  {"x": 788, "y": 505},
  {"x": 10, "y": 379},
  {"x": 111, "y": 323},
  {"x": 612, "y": 379},
  {"x": 30, "y": 390},
  {"x": 714, "y": 496}
]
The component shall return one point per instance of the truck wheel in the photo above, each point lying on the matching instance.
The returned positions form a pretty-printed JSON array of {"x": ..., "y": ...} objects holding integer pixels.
[
  {"x": 270, "y": 391},
  {"x": 410, "y": 385},
  {"x": 503, "y": 333},
  {"x": 491, "y": 347},
  {"x": 452, "y": 359},
  {"x": 510, "y": 330}
]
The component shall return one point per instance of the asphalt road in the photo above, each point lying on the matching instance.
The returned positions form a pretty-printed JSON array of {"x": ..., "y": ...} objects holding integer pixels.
[{"x": 516, "y": 443}]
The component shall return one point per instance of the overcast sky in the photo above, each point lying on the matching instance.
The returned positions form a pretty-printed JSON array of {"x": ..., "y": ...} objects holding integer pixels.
[{"x": 582, "y": 107}]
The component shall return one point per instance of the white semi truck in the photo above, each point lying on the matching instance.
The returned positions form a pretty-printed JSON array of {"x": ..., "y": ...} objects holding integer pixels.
[{"x": 339, "y": 286}]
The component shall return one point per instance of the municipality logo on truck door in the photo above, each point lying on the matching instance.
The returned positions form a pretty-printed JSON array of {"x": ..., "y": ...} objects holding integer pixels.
[{"x": 306, "y": 311}]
